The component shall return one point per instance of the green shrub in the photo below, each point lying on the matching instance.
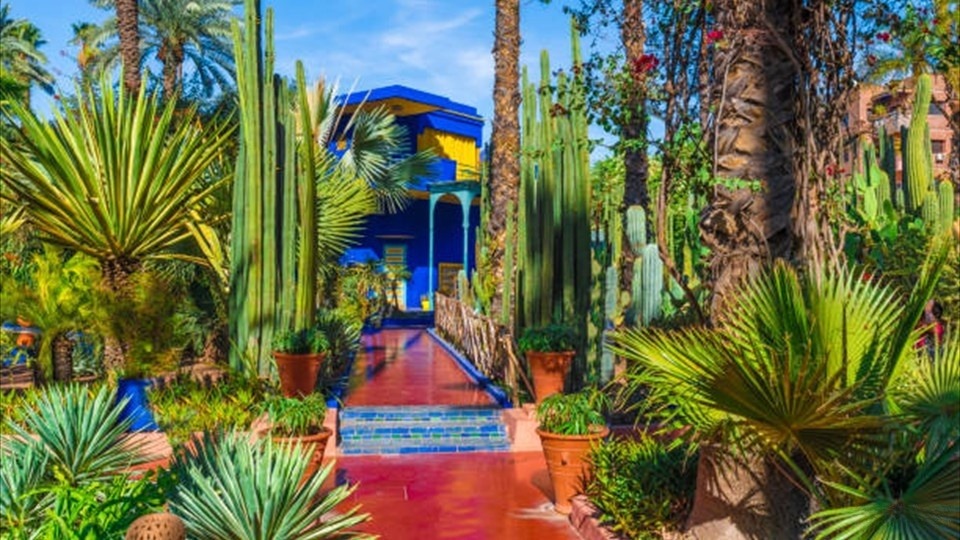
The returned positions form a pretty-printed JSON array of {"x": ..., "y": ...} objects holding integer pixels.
[
  {"x": 188, "y": 406},
  {"x": 297, "y": 417},
  {"x": 642, "y": 487},
  {"x": 572, "y": 414},
  {"x": 306, "y": 341},
  {"x": 550, "y": 338}
]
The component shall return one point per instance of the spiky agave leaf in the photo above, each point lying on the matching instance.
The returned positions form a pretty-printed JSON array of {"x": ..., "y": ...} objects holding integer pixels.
[
  {"x": 116, "y": 177},
  {"x": 231, "y": 487},
  {"x": 23, "y": 468},
  {"x": 80, "y": 432}
]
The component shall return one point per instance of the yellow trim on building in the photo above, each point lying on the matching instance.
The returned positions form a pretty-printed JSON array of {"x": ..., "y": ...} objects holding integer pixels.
[{"x": 454, "y": 147}]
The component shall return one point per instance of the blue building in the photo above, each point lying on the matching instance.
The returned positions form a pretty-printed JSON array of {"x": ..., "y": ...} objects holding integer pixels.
[{"x": 435, "y": 235}]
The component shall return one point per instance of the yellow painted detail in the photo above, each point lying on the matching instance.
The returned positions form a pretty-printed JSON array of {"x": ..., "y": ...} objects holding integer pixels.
[
  {"x": 395, "y": 106},
  {"x": 457, "y": 148}
]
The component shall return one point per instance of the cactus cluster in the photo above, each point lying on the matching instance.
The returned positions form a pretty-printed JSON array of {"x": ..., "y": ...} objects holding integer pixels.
[{"x": 274, "y": 202}]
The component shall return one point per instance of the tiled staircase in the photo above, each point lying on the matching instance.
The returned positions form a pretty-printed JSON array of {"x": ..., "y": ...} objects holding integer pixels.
[{"x": 421, "y": 429}]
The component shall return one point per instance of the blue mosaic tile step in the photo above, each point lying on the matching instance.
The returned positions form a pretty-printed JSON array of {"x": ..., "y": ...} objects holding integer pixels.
[
  {"x": 440, "y": 447},
  {"x": 417, "y": 413},
  {"x": 423, "y": 429}
]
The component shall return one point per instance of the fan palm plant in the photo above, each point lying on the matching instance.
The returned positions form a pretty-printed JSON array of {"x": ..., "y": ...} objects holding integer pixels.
[
  {"x": 231, "y": 487},
  {"x": 115, "y": 178},
  {"x": 798, "y": 379}
]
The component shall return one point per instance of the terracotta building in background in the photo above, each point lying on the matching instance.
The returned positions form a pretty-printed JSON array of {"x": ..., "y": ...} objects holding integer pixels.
[{"x": 891, "y": 106}]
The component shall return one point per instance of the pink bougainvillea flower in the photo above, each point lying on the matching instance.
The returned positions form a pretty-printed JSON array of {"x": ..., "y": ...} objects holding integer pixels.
[
  {"x": 714, "y": 36},
  {"x": 645, "y": 64}
]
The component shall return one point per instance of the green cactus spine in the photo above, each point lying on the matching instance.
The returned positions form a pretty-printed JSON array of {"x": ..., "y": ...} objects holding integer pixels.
[
  {"x": 947, "y": 208},
  {"x": 918, "y": 166},
  {"x": 652, "y": 284}
]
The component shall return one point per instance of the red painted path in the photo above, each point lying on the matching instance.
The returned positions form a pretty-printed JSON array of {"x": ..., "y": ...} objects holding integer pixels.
[{"x": 471, "y": 496}]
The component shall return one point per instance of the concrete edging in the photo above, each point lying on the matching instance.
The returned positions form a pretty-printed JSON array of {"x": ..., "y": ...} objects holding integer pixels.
[{"x": 584, "y": 518}]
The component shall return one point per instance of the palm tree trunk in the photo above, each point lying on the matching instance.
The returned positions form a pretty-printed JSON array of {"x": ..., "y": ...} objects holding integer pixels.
[
  {"x": 634, "y": 131},
  {"x": 172, "y": 58},
  {"x": 505, "y": 142},
  {"x": 744, "y": 498},
  {"x": 127, "y": 27},
  {"x": 117, "y": 276},
  {"x": 747, "y": 226},
  {"x": 62, "y": 358}
]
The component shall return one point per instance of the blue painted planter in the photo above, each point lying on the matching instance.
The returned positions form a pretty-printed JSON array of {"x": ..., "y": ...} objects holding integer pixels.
[{"x": 136, "y": 409}]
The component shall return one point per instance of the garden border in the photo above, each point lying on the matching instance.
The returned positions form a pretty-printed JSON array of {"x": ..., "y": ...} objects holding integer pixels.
[{"x": 497, "y": 393}]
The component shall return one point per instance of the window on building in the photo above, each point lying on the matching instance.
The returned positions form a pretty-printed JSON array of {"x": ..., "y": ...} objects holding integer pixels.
[
  {"x": 934, "y": 110},
  {"x": 939, "y": 148}
]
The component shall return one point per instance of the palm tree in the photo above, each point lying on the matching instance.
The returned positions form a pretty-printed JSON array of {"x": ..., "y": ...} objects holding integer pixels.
[
  {"x": 84, "y": 36},
  {"x": 127, "y": 27},
  {"x": 797, "y": 381},
  {"x": 505, "y": 144},
  {"x": 115, "y": 178},
  {"x": 748, "y": 221},
  {"x": 176, "y": 32},
  {"x": 21, "y": 63}
]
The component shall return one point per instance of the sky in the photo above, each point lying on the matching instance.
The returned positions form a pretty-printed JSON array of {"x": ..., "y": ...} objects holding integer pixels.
[{"x": 439, "y": 46}]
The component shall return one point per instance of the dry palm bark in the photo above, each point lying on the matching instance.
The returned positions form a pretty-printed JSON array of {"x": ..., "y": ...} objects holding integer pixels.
[
  {"x": 505, "y": 143},
  {"x": 127, "y": 27},
  {"x": 748, "y": 222}
]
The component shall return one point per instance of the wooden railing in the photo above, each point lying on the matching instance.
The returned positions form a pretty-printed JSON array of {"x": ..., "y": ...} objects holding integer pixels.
[{"x": 487, "y": 344}]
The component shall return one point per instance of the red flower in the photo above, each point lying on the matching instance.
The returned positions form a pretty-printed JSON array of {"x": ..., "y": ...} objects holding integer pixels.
[
  {"x": 871, "y": 59},
  {"x": 645, "y": 64},
  {"x": 714, "y": 36},
  {"x": 884, "y": 37}
]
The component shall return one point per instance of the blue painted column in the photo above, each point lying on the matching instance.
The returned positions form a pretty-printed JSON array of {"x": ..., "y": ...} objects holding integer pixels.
[
  {"x": 434, "y": 197},
  {"x": 465, "y": 200}
]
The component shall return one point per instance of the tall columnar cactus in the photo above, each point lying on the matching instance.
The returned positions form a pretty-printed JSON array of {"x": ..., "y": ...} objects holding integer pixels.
[
  {"x": 274, "y": 201},
  {"x": 887, "y": 159},
  {"x": 918, "y": 168},
  {"x": 555, "y": 259},
  {"x": 652, "y": 286},
  {"x": 636, "y": 227},
  {"x": 947, "y": 205},
  {"x": 931, "y": 211}
]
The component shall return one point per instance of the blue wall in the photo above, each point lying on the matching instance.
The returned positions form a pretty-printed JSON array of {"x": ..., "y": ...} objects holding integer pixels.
[{"x": 413, "y": 223}]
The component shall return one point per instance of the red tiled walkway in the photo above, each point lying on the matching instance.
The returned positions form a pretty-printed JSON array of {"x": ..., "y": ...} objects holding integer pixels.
[
  {"x": 406, "y": 366},
  {"x": 465, "y": 496},
  {"x": 492, "y": 496}
]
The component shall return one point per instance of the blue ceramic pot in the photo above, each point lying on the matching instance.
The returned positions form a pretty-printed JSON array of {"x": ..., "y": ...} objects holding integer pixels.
[{"x": 137, "y": 410}]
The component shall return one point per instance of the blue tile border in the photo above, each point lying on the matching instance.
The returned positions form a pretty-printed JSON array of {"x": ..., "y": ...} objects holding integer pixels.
[{"x": 497, "y": 393}]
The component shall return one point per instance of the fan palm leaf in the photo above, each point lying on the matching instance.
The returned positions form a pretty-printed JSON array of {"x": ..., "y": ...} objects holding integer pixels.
[
  {"x": 115, "y": 178},
  {"x": 803, "y": 366}
]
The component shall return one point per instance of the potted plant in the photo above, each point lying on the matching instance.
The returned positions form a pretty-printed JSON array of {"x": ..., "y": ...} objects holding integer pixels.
[
  {"x": 549, "y": 350},
  {"x": 570, "y": 424},
  {"x": 298, "y": 354},
  {"x": 299, "y": 420}
]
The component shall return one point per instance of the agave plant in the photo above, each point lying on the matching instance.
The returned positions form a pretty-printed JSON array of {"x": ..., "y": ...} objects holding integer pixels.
[
  {"x": 228, "y": 486},
  {"x": 799, "y": 378},
  {"x": 71, "y": 440},
  {"x": 115, "y": 178}
]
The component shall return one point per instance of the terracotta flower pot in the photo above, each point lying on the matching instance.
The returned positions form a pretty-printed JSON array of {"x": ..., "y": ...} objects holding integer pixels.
[
  {"x": 317, "y": 442},
  {"x": 549, "y": 370},
  {"x": 298, "y": 372},
  {"x": 567, "y": 464}
]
